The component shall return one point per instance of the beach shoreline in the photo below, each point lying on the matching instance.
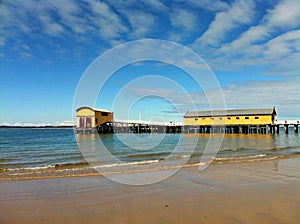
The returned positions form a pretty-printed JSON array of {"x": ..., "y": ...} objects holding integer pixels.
[
  {"x": 58, "y": 171},
  {"x": 248, "y": 192}
]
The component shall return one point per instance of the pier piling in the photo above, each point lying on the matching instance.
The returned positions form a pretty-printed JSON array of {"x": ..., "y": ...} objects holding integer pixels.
[{"x": 131, "y": 127}]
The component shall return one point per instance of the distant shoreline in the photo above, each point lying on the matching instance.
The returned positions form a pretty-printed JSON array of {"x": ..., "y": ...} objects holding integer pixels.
[{"x": 34, "y": 127}]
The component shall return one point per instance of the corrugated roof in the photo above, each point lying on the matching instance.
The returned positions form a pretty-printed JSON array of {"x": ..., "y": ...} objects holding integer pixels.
[{"x": 235, "y": 112}]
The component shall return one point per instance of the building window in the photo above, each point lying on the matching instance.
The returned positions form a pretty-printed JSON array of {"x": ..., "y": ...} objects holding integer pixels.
[
  {"x": 212, "y": 118},
  {"x": 203, "y": 118},
  {"x": 96, "y": 120},
  {"x": 104, "y": 114},
  {"x": 229, "y": 118},
  {"x": 256, "y": 118},
  {"x": 246, "y": 118},
  {"x": 220, "y": 118},
  {"x": 196, "y": 119},
  {"x": 237, "y": 118}
]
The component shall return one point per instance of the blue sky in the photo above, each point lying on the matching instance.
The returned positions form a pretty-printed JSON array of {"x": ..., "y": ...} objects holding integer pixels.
[{"x": 251, "y": 46}]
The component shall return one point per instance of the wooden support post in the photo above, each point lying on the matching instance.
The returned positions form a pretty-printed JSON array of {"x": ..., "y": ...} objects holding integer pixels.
[
  {"x": 235, "y": 130},
  {"x": 286, "y": 128},
  {"x": 207, "y": 130},
  {"x": 277, "y": 129},
  {"x": 240, "y": 129},
  {"x": 271, "y": 129},
  {"x": 296, "y": 128}
]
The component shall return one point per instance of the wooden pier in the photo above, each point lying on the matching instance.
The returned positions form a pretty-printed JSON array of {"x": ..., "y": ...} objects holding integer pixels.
[
  {"x": 235, "y": 121},
  {"x": 137, "y": 126},
  {"x": 286, "y": 124},
  {"x": 132, "y": 126},
  {"x": 235, "y": 129},
  {"x": 244, "y": 129}
]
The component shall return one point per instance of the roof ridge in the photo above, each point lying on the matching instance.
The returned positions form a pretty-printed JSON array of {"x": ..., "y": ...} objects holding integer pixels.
[{"x": 231, "y": 112}]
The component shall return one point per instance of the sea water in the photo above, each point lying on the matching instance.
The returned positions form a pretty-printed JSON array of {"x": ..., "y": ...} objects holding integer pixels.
[{"x": 38, "y": 152}]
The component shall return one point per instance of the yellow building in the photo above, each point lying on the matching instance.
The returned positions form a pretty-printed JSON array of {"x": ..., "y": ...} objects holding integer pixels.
[
  {"x": 87, "y": 118},
  {"x": 263, "y": 116}
]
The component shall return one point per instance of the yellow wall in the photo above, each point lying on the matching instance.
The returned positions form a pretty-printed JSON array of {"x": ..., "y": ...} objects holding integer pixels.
[
  {"x": 103, "y": 119},
  {"x": 87, "y": 112},
  {"x": 222, "y": 120}
]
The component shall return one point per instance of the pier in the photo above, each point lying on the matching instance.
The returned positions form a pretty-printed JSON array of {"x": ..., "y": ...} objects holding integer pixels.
[
  {"x": 245, "y": 129},
  {"x": 286, "y": 124},
  {"x": 138, "y": 126},
  {"x": 234, "y": 121}
]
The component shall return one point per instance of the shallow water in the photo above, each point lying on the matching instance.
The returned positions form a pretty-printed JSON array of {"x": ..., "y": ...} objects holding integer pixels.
[{"x": 38, "y": 152}]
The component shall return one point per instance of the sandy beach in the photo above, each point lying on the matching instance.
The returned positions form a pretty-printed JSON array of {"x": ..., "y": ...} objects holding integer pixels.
[{"x": 250, "y": 192}]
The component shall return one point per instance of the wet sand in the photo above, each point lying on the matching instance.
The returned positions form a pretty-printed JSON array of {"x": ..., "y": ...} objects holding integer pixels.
[{"x": 250, "y": 192}]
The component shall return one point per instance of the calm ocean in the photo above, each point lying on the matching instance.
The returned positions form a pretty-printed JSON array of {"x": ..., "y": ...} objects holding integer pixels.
[{"x": 29, "y": 153}]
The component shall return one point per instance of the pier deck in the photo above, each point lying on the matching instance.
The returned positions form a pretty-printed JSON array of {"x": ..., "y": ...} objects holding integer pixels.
[{"x": 138, "y": 126}]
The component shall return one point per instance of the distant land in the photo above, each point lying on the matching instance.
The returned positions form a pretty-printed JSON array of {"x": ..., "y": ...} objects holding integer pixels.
[{"x": 46, "y": 126}]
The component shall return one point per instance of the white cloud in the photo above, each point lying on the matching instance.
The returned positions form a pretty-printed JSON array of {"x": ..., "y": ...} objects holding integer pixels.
[
  {"x": 25, "y": 55},
  {"x": 69, "y": 11},
  {"x": 183, "y": 19},
  {"x": 30, "y": 18},
  {"x": 65, "y": 123},
  {"x": 108, "y": 22},
  {"x": 278, "y": 56},
  {"x": 39, "y": 124},
  {"x": 71, "y": 19},
  {"x": 284, "y": 95},
  {"x": 27, "y": 20},
  {"x": 283, "y": 45},
  {"x": 208, "y": 4},
  {"x": 141, "y": 23},
  {"x": 240, "y": 13},
  {"x": 27, "y": 124},
  {"x": 192, "y": 64},
  {"x": 156, "y": 4},
  {"x": 184, "y": 22},
  {"x": 285, "y": 15},
  {"x": 271, "y": 46},
  {"x": 50, "y": 27},
  {"x": 175, "y": 36}
]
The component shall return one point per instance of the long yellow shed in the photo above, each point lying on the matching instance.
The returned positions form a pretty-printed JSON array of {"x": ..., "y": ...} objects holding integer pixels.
[{"x": 261, "y": 116}]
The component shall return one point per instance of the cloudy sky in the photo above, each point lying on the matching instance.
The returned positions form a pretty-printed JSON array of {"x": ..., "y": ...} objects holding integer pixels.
[{"x": 252, "y": 48}]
